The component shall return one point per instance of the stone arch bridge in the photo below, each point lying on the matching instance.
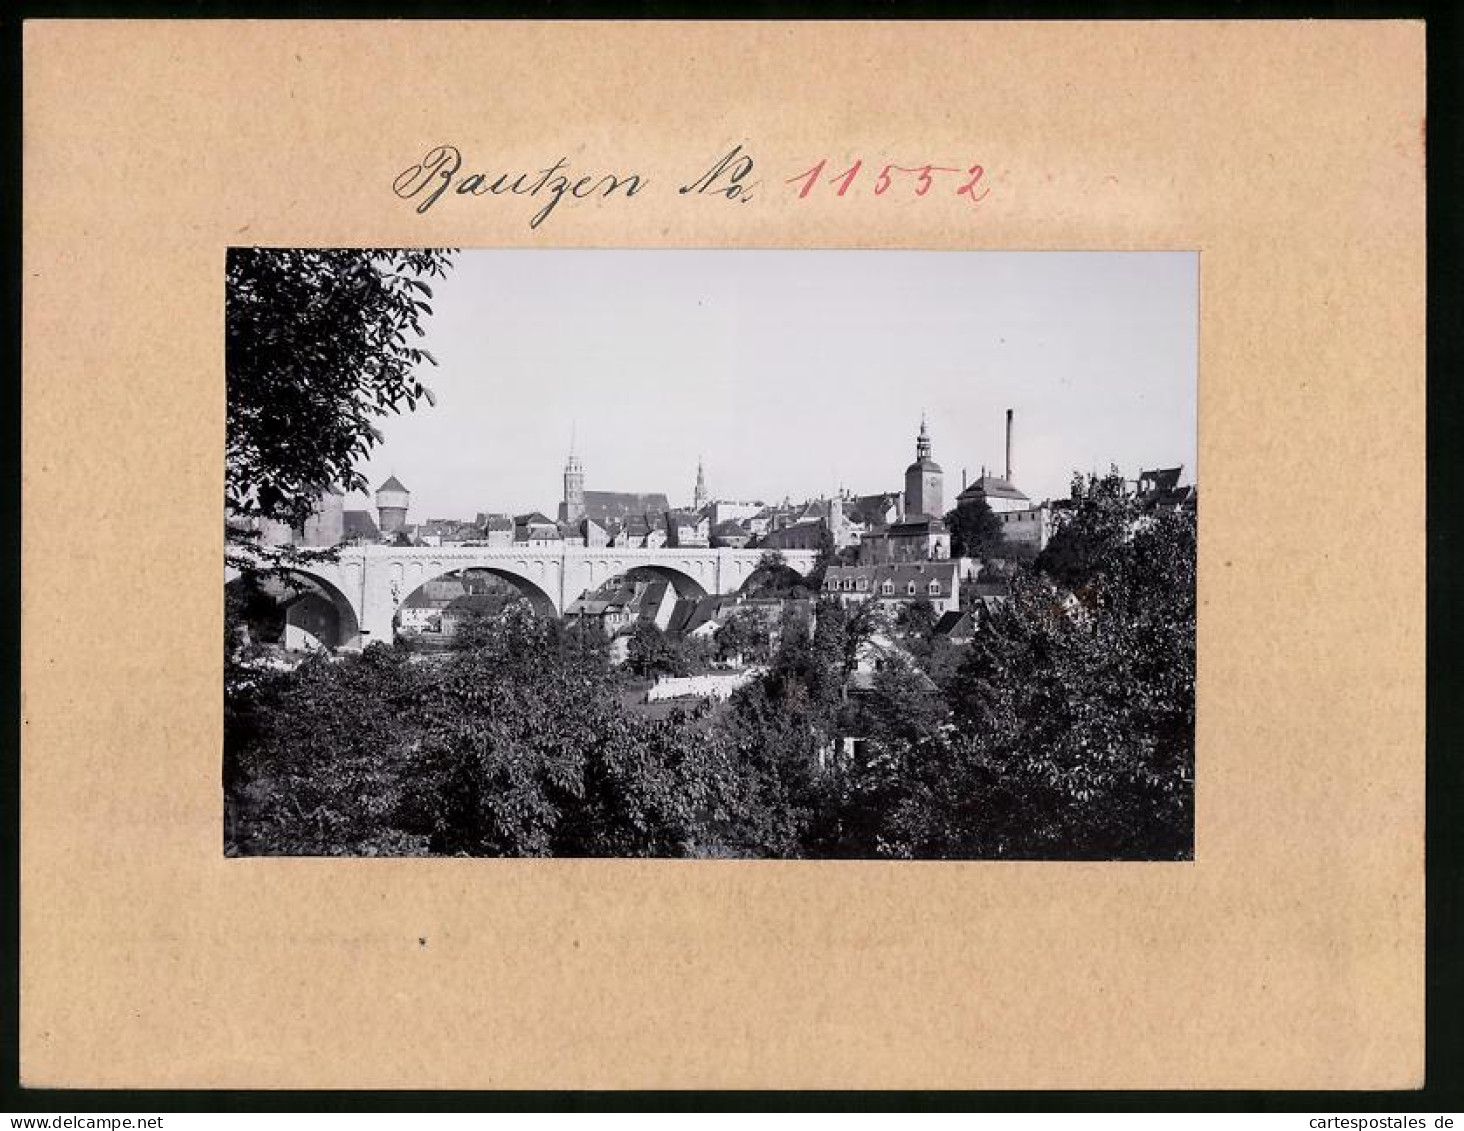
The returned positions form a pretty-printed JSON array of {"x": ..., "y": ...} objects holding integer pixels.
[{"x": 365, "y": 587}]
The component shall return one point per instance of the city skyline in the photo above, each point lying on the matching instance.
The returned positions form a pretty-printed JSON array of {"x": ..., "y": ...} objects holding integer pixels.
[{"x": 792, "y": 374}]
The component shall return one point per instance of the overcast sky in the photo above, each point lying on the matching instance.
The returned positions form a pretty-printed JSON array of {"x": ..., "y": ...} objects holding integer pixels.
[{"x": 792, "y": 373}]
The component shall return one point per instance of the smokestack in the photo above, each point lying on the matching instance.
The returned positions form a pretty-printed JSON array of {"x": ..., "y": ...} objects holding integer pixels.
[
  {"x": 963, "y": 479},
  {"x": 1009, "y": 446}
]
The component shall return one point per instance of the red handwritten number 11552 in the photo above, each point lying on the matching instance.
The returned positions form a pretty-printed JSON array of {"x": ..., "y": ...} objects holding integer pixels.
[{"x": 924, "y": 179}]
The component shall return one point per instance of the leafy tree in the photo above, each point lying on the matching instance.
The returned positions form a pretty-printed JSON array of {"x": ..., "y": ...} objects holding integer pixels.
[
  {"x": 895, "y": 722},
  {"x": 693, "y": 655},
  {"x": 517, "y": 747},
  {"x": 774, "y": 577},
  {"x": 902, "y": 708},
  {"x": 781, "y": 728},
  {"x": 918, "y": 618},
  {"x": 252, "y": 615},
  {"x": 1081, "y": 701},
  {"x": 651, "y": 652},
  {"x": 773, "y": 734},
  {"x": 1090, "y": 532},
  {"x": 318, "y": 344},
  {"x": 975, "y": 530},
  {"x": 863, "y": 620},
  {"x": 743, "y": 633},
  {"x": 311, "y": 759}
]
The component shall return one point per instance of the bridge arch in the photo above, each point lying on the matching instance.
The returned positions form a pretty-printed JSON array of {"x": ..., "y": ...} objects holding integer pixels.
[
  {"x": 531, "y": 587},
  {"x": 685, "y": 584},
  {"x": 316, "y": 614}
]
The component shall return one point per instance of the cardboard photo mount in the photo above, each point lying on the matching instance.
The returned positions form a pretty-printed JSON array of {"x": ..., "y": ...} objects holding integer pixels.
[{"x": 1289, "y": 954}]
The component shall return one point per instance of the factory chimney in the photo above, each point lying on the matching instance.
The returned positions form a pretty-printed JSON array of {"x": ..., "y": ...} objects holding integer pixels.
[{"x": 1009, "y": 446}]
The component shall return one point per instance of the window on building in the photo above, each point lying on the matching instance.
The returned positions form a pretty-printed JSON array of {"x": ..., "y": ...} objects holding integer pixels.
[
  {"x": 934, "y": 589},
  {"x": 887, "y": 588},
  {"x": 863, "y": 584},
  {"x": 910, "y": 589}
]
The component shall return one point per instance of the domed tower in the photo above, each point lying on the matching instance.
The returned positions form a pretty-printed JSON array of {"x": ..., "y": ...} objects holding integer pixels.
[
  {"x": 924, "y": 480},
  {"x": 573, "y": 507},
  {"x": 392, "y": 501}
]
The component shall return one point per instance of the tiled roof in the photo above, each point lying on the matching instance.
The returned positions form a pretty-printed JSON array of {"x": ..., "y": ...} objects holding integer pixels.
[
  {"x": 682, "y": 613},
  {"x": 953, "y": 621},
  {"x": 651, "y": 596},
  {"x": 393, "y": 484},
  {"x": 797, "y": 528},
  {"x": 606, "y": 506},
  {"x": 476, "y": 604},
  {"x": 870, "y": 509},
  {"x": 988, "y": 604},
  {"x": 708, "y": 609},
  {"x": 533, "y": 527},
  {"x": 990, "y": 487}
]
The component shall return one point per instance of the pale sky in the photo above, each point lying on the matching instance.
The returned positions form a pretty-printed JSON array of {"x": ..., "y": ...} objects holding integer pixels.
[{"x": 792, "y": 373}]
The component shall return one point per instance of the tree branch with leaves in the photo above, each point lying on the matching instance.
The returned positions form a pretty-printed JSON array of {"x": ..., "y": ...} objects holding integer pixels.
[{"x": 319, "y": 344}]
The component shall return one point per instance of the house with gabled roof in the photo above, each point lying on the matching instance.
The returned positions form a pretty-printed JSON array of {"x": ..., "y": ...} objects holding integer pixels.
[
  {"x": 997, "y": 493},
  {"x": 625, "y": 604},
  {"x": 535, "y": 529},
  {"x": 1160, "y": 489},
  {"x": 733, "y": 535},
  {"x": 495, "y": 529},
  {"x": 896, "y": 583},
  {"x": 687, "y": 529}
]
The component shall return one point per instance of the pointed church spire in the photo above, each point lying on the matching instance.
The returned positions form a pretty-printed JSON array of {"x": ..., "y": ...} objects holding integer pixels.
[{"x": 699, "y": 496}]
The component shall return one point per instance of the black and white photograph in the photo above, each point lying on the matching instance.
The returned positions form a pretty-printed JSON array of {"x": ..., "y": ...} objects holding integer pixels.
[{"x": 717, "y": 554}]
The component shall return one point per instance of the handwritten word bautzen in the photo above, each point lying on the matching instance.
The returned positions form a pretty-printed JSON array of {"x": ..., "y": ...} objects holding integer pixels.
[{"x": 441, "y": 171}]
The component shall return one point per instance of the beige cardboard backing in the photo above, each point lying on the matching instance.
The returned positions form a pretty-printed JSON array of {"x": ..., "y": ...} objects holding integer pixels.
[{"x": 1290, "y": 954}]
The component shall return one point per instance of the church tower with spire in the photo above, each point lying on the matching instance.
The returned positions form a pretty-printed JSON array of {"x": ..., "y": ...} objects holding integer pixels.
[
  {"x": 573, "y": 507},
  {"x": 924, "y": 480},
  {"x": 699, "y": 497}
]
